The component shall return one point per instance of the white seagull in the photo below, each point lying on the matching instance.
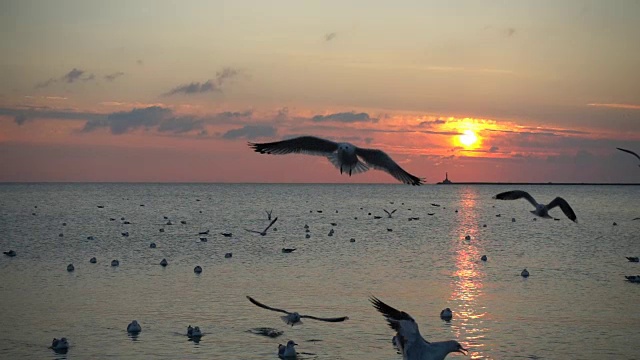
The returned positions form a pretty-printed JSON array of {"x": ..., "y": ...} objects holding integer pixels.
[
  {"x": 630, "y": 152},
  {"x": 408, "y": 339},
  {"x": 344, "y": 156},
  {"x": 541, "y": 209},
  {"x": 263, "y": 232},
  {"x": 288, "y": 351},
  {"x": 293, "y": 318}
]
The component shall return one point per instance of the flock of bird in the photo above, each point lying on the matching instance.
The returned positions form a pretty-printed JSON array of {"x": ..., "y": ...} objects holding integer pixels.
[{"x": 351, "y": 159}]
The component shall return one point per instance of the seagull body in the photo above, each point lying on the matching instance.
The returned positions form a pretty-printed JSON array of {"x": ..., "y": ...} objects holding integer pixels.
[
  {"x": 390, "y": 213},
  {"x": 408, "y": 339},
  {"x": 524, "y": 273},
  {"x": 264, "y": 232},
  {"x": 630, "y": 152},
  {"x": 134, "y": 327},
  {"x": 446, "y": 314},
  {"x": 288, "y": 250},
  {"x": 348, "y": 158},
  {"x": 541, "y": 210},
  {"x": 288, "y": 351},
  {"x": 633, "y": 258},
  {"x": 93, "y": 260},
  {"x": 9, "y": 253},
  {"x": 293, "y": 318}
]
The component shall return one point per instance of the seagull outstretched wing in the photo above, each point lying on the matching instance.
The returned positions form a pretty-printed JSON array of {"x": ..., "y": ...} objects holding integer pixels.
[
  {"x": 564, "y": 205},
  {"x": 379, "y": 160}
]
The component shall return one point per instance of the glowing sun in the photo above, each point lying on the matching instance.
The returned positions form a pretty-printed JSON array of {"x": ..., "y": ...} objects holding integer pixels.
[{"x": 468, "y": 138}]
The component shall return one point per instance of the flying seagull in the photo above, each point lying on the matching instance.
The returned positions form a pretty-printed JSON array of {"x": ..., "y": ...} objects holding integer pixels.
[
  {"x": 346, "y": 157},
  {"x": 390, "y": 213},
  {"x": 541, "y": 209},
  {"x": 408, "y": 339},
  {"x": 263, "y": 232},
  {"x": 630, "y": 152},
  {"x": 293, "y": 318}
]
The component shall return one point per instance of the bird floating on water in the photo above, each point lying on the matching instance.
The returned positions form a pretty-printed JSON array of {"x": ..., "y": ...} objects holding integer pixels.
[
  {"x": 164, "y": 263},
  {"x": 633, "y": 258},
  {"x": 9, "y": 253},
  {"x": 541, "y": 209},
  {"x": 197, "y": 269},
  {"x": 288, "y": 250},
  {"x": 134, "y": 327},
  {"x": 446, "y": 314},
  {"x": 293, "y": 318},
  {"x": 93, "y": 260},
  {"x": 288, "y": 351},
  {"x": 408, "y": 339},
  {"x": 60, "y": 345},
  {"x": 115, "y": 262},
  {"x": 524, "y": 273},
  {"x": 348, "y": 158},
  {"x": 70, "y": 268}
]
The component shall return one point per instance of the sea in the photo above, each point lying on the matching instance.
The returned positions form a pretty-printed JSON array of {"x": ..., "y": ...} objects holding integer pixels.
[{"x": 576, "y": 303}]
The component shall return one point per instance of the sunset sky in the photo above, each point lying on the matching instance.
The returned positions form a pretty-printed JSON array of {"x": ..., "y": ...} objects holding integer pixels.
[{"x": 172, "y": 91}]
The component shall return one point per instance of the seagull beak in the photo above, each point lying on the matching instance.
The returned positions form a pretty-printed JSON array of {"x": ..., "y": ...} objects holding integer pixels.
[{"x": 463, "y": 351}]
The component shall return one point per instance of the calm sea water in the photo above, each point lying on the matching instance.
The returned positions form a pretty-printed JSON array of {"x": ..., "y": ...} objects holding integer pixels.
[{"x": 575, "y": 304}]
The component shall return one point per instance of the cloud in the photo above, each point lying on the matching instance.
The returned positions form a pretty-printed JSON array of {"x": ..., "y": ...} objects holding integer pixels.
[
  {"x": 182, "y": 125},
  {"x": 616, "y": 106},
  {"x": 330, "y": 36},
  {"x": 160, "y": 118},
  {"x": 72, "y": 76},
  {"x": 346, "y": 117},
  {"x": 115, "y": 75},
  {"x": 211, "y": 85},
  {"x": 193, "y": 88},
  {"x": 430, "y": 123},
  {"x": 250, "y": 132}
]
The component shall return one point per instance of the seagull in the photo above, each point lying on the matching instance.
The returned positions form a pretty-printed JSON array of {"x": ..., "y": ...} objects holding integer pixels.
[
  {"x": 346, "y": 157},
  {"x": 541, "y": 209},
  {"x": 134, "y": 327},
  {"x": 633, "y": 258},
  {"x": 226, "y": 234},
  {"x": 630, "y": 152},
  {"x": 524, "y": 273},
  {"x": 390, "y": 213},
  {"x": 9, "y": 253},
  {"x": 60, "y": 345},
  {"x": 446, "y": 314},
  {"x": 408, "y": 339},
  {"x": 70, "y": 268},
  {"x": 288, "y": 351},
  {"x": 264, "y": 232},
  {"x": 288, "y": 250},
  {"x": 93, "y": 260},
  {"x": 293, "y": 318}
]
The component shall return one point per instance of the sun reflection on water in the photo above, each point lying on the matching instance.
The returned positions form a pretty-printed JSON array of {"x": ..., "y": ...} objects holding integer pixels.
[{"x": 468, "y": 276}]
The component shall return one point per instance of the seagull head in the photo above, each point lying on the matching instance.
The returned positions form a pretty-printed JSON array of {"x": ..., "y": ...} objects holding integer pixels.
[
  {"x": 291, "y": 343},
  {"x": 346, "y": 148}
]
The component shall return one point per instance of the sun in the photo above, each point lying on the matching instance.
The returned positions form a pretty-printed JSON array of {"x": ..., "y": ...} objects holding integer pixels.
[{"x": 468, "y": 138}]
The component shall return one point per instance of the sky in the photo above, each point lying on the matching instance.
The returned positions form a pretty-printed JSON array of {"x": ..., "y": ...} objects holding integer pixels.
[{"x": 172, "y": 91}]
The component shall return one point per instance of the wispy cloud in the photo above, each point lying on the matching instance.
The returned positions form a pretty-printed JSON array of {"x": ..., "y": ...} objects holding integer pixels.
[
  {"x": 250, "y": 132},
  {"x": 616, "y": 106},
  {"x": 330, "y": 36},
  {"x": 71, "y": 77},
  {"x": 115, "y": 75},
  {"x": 430, "y": 123},
  {"x": 211, "y": 85},
  {"x": 346, "y": 117}
]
